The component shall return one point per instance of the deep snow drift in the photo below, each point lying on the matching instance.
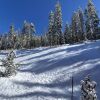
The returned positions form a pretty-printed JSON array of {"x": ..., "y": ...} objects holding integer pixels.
[{"x": 46, "y": 73}]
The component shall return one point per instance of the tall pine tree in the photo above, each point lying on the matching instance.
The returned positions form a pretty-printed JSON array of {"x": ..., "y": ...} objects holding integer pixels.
[
  {"x": 51, "y": 28},
  {"x": 58, "y": 35},
  {"x": 92, "y": 20},
  {"x": 67, "y": 34},
  {"x": 81, "y": 24}
]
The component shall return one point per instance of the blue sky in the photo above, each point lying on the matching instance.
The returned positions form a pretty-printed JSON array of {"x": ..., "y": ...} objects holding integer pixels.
[{"x": 36, "y": 11}]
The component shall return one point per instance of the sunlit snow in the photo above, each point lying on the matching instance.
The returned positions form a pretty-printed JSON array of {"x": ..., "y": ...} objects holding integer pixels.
[{"x": 46, "y": 73}]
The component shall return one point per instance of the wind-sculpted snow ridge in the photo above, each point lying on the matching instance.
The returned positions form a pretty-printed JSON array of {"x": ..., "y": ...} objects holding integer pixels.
[{"x": 46, "y": 72}]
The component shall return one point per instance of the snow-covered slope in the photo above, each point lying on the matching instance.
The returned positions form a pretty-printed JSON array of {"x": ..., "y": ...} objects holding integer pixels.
[{"x": 46, "y": 73}]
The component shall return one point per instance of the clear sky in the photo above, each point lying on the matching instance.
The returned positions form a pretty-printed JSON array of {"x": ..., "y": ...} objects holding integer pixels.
[{"x": 36, "y": 11}]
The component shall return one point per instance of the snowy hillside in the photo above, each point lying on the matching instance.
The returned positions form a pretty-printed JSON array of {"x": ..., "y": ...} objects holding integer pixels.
[{"x": 47, "y": 72}]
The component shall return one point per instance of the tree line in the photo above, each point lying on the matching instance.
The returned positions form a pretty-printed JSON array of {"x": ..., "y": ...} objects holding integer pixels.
[{"x": 84, "y": 26}]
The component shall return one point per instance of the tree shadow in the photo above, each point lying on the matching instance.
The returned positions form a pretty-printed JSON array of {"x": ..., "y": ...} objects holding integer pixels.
[
  {"x": 43, "y": 55},
  {"x": 25, "y": 52},
  {"x": 50, "y": 64},
  {"x": 50, "y": 85},
  {"x": 35, "y": 94}
]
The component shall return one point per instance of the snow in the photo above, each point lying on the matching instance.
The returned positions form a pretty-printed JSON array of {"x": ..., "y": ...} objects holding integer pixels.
[{"x": 46, "y": 72}]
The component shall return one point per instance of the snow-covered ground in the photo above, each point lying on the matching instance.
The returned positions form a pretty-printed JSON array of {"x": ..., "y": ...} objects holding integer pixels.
[{"x": 46, "y": 73}]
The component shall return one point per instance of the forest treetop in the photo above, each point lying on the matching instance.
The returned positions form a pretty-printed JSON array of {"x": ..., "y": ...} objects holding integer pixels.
[{"x": 84, "y": 26}]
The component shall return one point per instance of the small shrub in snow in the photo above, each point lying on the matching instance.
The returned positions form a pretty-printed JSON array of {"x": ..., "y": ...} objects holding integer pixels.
[
  {"x": 88, "y": 89},
  {"x": 8, "y": 64}
]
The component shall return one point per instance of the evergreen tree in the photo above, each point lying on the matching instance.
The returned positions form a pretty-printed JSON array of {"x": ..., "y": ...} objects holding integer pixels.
[
  {"x": 92, "y": 20},
  {"x": 71, "y": 36},
  {"x": 11, "y": 38},
  {"x": 31, "y": 35},
  {"x": 3, "y": 43},
  {"x": 27, "y": 34},
  {"x": 58, "y": 35},
  {"x": 67, "y": 34},
  {"x": 51, "y": 29},
  {"x": 86, "y": 23},
  {"x": 44, "y": 40},
  {"x": 8, "y": 64},
  {"x": 81, "y": 24},
  {"x": 0, "y": 41},
  {"x": 74, "y": 25},
  {"x": 78, "y": 27}
]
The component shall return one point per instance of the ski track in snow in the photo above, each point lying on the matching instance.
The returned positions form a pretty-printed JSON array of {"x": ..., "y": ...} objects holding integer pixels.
[{"x": 46, "y": 73}]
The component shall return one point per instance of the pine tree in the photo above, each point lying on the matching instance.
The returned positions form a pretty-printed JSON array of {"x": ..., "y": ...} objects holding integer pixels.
[
  {"x": 44, "y": 40},
  {"x": 51, "y": 29},
  {"x": 92, "y": 20},
  {"x": 78, "y": 26},
  {"x": 11, "y": 38},
  {"x": 8, "y": 64},
  {"x": 27, "y": 34},
  {"x": 0, "y": 41},
  {"x": 81, "y": 24},
  {"x": 3, "y": 43},
  {"x": 31, "y": 35},
  {"x": 18, "y": 40},
  {"x": 67, "y": 34},
  {"x": 74, "y": 25},
  {"x": 58, "y": 35},
  {"x": 71, "y": 36}
]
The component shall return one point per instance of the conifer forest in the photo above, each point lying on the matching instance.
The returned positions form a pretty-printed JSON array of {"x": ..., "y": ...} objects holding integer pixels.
[{"x": 84, "y": 25}]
